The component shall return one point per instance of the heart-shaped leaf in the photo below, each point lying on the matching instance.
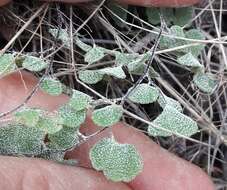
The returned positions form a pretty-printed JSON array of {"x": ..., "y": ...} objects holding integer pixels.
[
  {"x": 119, "y": 162},
  {"x": 170, "y": 41}
]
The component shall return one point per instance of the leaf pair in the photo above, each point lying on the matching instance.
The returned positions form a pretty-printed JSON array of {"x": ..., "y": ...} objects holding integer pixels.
[
  {"x": 176, "y": 39},
  {"x": 40, "y": 119},
  {"x": 94, "y": 76}
]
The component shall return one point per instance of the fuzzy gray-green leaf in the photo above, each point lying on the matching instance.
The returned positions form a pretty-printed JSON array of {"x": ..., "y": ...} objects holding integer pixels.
[
  {"x": 164, "y": 100},
  {"x": 79, "y": 100},
  {"x": 197, "y": 35},
  {"x": 32, "y": 63},
  {"x": 90, "y": 76},
  {"x": 113, "y": 71},
  {"x": 7, "y": 63},
  {"x": 182, "y": 16},
  {"x": 107, "y": 116},
  {"x": 189, "y": 60},
  {"x": 171, "y": 41},
  {"x": 119, "y": 162},
  {"x": 205, "y": 82},
  {"x": 28, "y": 116},
  {"x": 124, "y": 58},
  {"x": 82, "y": 45},
  {"x": 93, "y": 55},
  {"x": 61, "y": 34},
  {"x": 173, "y": 121},
  {"x": 21, "y": 140},
  {"x": 71, "y": 117},
  {"x": 49, "y": 124},
  {"x": 66, "y": 138},
  {"x": 144, "y": 94},
  {"x": 51, "y": 86}
]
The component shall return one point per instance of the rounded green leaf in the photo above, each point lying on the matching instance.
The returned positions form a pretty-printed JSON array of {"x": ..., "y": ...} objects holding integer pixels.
[
  {"x": 51, "y": 86},
  {"x": 21, "y": 140},
  {"x": 123, "y": 58},
  {"x": 189, "y": 60},
  {"x": 107, "y": 116},
  {"x": 7, "y": 63},
  {"x": 66, "y": 138},
  {"x": 153, "y": 15},
  {"x": 79, "y": 100},
  {"x": 28, "y": 116},
  {"x": 173, "y": 121},
  {"x": 71, "y": 117},
  {"x": 182, "y": 16},
  {"x": 205, "y": 82},
  {"x": 94, "y": 55},
  {"x": 61, "y": 34},
  {"x": 113, "y": 71},
  {"x": 49, "y": 125},
  {"x": 32, "y": 63},
  {"x": 144, "y": 94},
  {"x": 90, "y": 76},
  {"x": 119, "y": 162},
  {"x": 164, "y": 100},
  {"x": 171, "y": 42},
  {"x": 197, "y": 35}
]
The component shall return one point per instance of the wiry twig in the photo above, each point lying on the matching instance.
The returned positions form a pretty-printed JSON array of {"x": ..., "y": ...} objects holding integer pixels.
[{"x": 146, "y": 70}]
